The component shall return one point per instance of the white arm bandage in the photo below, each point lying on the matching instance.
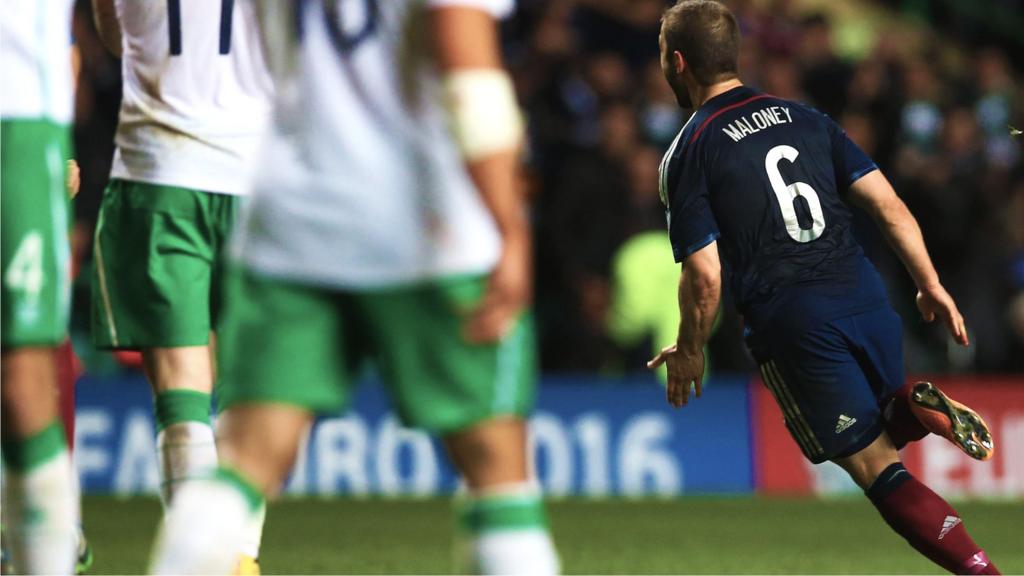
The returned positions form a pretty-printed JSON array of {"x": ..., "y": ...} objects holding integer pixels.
[{"x": 482, "y": 111}]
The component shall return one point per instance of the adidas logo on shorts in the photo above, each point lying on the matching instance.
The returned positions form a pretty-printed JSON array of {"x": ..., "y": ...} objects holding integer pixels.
[
  {"x": 948, "y": 524},
  {"x": 844, "y": 423}
]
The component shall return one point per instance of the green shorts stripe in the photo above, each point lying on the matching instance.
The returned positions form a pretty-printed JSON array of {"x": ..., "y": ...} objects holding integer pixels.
[
  {"x": 507, "y": 380},
  {"x": 101, "y": 282}
]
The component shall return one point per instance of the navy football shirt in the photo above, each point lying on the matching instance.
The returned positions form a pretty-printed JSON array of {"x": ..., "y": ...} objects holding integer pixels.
[{"x": 767, "y": 178}]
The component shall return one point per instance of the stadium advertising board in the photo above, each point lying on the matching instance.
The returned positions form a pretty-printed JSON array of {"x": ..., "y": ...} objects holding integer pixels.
[{"x": 592, "y": 437}]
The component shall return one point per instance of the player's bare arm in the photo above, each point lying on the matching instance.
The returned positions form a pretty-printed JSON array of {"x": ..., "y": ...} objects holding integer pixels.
[
  {"x": 873, "y": 193},
  {"x": 700, "y": 290},
  {"x": 74, "y": 176},
  {"x": 104, "y": 15},
  {"x": 485, "y": 121}
]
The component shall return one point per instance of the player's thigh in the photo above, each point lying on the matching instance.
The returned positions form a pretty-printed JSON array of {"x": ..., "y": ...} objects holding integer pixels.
[
  {"x": 28, "y": 390},
  {"x": 261, "y": 441},
  {"x": 154, "y": 261},
  {"x": 828, "y": 403},
  {"x": 878, "y": 335},
  {"x": 439, "y": 380},
  {"x": 280, "y": 343},
  {"x": 34, "y": 251}
]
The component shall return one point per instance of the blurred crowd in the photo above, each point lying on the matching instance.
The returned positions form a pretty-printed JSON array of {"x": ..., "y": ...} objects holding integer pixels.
[{"x": 600, "y": 116}]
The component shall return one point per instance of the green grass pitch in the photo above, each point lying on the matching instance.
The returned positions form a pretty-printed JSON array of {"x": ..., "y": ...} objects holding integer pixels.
[{"x": 687, "y": 535}]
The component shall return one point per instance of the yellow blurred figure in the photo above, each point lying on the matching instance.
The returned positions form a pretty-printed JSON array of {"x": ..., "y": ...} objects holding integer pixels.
[{"x": 645, "y": 280}]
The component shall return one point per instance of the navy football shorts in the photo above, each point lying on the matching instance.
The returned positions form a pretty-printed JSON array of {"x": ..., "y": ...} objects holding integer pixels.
[{"x": 831, "y": 380}]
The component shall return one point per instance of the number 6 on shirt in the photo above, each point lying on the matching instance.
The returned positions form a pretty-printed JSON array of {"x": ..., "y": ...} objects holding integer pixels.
[{"x": 787, "y": 194}]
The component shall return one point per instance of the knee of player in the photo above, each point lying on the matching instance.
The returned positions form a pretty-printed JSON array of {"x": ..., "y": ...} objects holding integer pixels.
[
  {"x": 865, "y": 466},
  {"x": 491, "y": 453}
]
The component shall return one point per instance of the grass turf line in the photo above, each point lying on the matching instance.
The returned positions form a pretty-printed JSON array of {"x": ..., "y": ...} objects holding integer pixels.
[{"x": 687, "y": 535}]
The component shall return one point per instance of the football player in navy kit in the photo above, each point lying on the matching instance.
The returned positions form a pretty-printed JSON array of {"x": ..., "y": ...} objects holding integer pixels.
[{"x": 757, "y": 187}]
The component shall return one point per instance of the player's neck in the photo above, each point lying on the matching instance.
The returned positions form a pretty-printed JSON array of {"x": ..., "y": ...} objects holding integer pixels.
[{"x": 701, "y": 94}]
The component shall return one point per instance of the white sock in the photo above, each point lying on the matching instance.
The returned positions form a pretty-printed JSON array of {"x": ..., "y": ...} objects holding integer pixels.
[
  {"x": 42, "y": 505},
  {"x": 516, "y": 552},
  {"x": 203, "y": 530},
  {"x": 253, "y": 535},
  {"x": 508, "y": 532},
  {"x": 185, "y": 451}
]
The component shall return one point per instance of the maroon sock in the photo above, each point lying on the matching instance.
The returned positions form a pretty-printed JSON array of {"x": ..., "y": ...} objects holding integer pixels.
[
  {"x": 67, "y": 374},
  {"x": 927, "y": 522},
  {"x": 900, "y": 422}
]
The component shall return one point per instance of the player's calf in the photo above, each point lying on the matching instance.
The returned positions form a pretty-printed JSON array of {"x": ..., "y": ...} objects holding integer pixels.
[
  {"x": 502, "y": 522},
  {"x": 261, "y": 441},
  {"x": 40, "y": 488},
  {"x": 912, "y": 510},
  {"x": 182, "y": 379}
]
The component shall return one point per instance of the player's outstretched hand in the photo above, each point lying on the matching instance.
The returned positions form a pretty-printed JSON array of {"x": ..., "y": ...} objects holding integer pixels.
[
  {"x": 935, "y": 301},
  {"x": 507, "y": 294},
  {"x": 684, "y": 370}
]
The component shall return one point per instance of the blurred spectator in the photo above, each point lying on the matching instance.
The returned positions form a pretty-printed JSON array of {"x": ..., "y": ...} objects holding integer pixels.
[
  {"x": 994, "y": 107},
  {"x": 780, "y": 76},
  {"x": 660, "y": 115},
  {"x": 581, "y": 228},
  {"x": 875, "y": 91},
  {"x": 921, "y": 117},
  {"x": 825, "y": 76}
]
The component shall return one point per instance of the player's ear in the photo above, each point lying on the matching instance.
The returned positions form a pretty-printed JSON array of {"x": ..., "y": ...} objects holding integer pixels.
[{"x": 678, "y": 62}]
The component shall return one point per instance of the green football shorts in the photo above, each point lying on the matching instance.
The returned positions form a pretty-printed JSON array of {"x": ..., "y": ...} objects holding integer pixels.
[
  {"x": 157, "y": 265},
  {"x": 34, "y": 251},
  {"x": 282, "y": 342}
]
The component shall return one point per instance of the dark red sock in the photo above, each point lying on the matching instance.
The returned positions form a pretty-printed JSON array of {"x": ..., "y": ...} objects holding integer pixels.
[
  {"x": 927, "y": 522},
  {"x": 900, "y": 422},
  {"x": 67, "y": 374}
]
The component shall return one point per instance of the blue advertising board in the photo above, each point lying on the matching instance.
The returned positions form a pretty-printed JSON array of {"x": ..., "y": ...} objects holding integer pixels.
[{"x": 591, "y": 437}]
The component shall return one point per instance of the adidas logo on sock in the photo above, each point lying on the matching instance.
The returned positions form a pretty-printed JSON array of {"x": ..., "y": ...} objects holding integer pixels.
[
  {"x": 979, "y": 560},
  {"x": 948, "y": 524},
  {"x": 844, "y": 423}
]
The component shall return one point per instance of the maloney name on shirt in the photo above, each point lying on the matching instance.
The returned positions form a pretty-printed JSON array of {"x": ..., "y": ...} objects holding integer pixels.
[{"x": 756, "y": 121}]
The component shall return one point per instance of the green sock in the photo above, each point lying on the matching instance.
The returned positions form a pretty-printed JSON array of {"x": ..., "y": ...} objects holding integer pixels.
[
  {"x": 506, "y": 512},
  {"x": 42, "y": 502},
  {"x": 505, "y": 533},
  {"x": 22, "y": 455},
  {"x": 175, "y": 406},
  {"x": 247, "y": 489},
  {"x": 186, "y": 448}
]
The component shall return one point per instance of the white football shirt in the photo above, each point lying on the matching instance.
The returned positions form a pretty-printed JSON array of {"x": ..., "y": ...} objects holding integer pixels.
[
  {"x": 35, "y": 60},
  {"x": 197, "y": 94},
  {"x": 360, "y": 184}
]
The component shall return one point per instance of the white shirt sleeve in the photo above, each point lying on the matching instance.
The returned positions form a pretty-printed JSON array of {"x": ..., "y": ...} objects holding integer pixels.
[{"x": 498, "y": 8}]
